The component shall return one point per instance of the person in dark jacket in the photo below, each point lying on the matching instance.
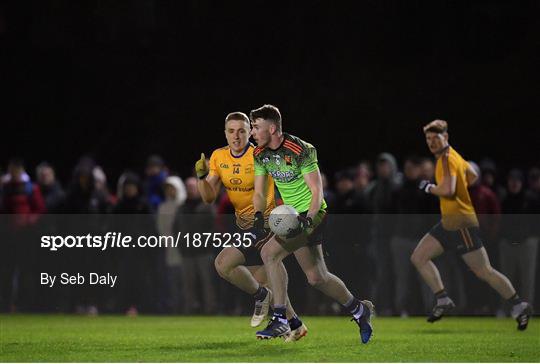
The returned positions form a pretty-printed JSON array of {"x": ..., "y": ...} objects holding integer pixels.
[
  {"x": 194, "y": 216},
  {"x": 156, "y": 173},
  {"x": 380, "y": 194},
  {"x": 410, "y": 224},
  {"x": 135, "y": 265},
  {"x": 22, "y": 200},
  {"x": 51, "y": 189},
  {"x": 517, "y": 250},
  {"x": 82, "y": 198}
]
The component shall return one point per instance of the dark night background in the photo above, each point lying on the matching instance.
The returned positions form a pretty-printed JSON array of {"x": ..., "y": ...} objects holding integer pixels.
[{"x": 121, "y": 80}]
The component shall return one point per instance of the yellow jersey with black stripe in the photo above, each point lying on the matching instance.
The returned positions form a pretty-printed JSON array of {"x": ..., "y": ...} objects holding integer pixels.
[
  {"x": 457, "y": 212},
  {"x": 237, "y": 174}
]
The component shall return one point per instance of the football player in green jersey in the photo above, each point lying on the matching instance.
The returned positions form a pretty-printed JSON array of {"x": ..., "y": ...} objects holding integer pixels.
[{"x": 293, "y": 165}]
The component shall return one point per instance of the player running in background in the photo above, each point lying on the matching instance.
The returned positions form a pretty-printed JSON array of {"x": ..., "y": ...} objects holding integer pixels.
[
  {"x": 293, "y": 165},
  {"x": 233, "y": 167},
  {"x": 458, "y": 229}
]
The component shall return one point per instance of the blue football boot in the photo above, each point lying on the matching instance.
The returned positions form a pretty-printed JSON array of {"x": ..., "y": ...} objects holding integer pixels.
[{"x": 364, "y": 321}]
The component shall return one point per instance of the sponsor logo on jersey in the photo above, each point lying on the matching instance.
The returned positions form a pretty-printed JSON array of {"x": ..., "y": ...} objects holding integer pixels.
[
  {"x": 240, "y": 189},
  {"x": 224, "y": 165},
  {"x": 236, "y": 181},
  {"x": 286, "y": 176}
]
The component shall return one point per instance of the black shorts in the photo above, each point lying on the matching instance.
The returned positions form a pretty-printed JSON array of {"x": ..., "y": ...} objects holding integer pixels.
[
  {"x": 462, "y": 241},
  {"x": 251, "y": 254}
]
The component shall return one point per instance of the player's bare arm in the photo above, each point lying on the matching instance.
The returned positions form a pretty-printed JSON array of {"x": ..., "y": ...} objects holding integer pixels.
[
  {"x": 447, "y": 187},
  {"x": 314, "y": 183},
  {"x": 209, "y": 188},
  {"x": 259, "y": 195},
  {"x": 208, "y": 185}
]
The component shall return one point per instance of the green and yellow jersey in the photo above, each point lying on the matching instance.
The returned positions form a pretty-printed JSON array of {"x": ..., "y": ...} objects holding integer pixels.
[{"x": 286, "y": 165}]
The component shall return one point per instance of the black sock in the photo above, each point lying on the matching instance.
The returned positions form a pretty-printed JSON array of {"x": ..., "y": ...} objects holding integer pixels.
[
  {"x": 295, "y": 322},
  {"x": 515, "y": 300},
  {"x": 279, "y": 312},
  {"x": 441, "y": 294},
  {"x": 260, "y": 294},
  {"x": 354, "y": 306}
]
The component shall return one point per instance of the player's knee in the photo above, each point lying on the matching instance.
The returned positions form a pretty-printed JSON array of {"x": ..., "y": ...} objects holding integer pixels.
[
  {"x": 268, "y": 257},
  {"x": 417, "y": 260},
  {"x": 316, "y": 279},
  {"x": 221, "y": 267},
  {"x": 484, "y": 272}
]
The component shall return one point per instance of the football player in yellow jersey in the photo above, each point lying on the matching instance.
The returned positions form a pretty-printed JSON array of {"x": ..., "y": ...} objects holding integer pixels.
[
  {"x": 458, "y": 229},
  {"x": 233, "y": 167}
]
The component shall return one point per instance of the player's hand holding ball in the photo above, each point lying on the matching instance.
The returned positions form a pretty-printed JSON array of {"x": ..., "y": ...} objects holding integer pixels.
[
  {"x": 201, "y": 167},
  {"x": 285, "y": 221},
  {"x": 305, "y": 223}
]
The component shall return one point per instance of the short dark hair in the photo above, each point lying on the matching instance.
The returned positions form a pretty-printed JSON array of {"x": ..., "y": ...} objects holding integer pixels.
[
  {"x": 237, "y": 115},
  {"x": 267, "y": 112}
]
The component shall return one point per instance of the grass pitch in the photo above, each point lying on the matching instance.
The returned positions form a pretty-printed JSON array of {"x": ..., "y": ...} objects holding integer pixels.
[{"x": 65, "y": 338}]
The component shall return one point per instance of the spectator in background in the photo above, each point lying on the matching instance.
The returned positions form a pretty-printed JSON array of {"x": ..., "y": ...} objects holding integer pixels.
[
  {"x": 487, "y": 207},
  {"x": 328, "y": 194},
  {"x": 532, "y": 197},
  {"x": 362, "y": 179},
  {"x": 198, "y": 262},
  {"x": 488, "y": 168},
  {"x": 135, "y": 265},
  {"x": 380, "y": 195},
  {"x": 51, "y": 189},
  {"x": 175, "y": 197},
  {"x": 156, "y": 173},
  {"x": 410, "y": 205},
  {"x": 533, "y": 192},
  {"x": 347, "y": 200},
  {"x": 100, "y": 182},
  {"x": 83, "y": 198},
  {"x": 427, "y": 169},
  {"x": 232, "y": 301},
  {"x": 517, "y": 252},
  {"x": 54, "y": 197},
  {"x": 21, "y": 199},
  {"x": 431, "y": 213}
]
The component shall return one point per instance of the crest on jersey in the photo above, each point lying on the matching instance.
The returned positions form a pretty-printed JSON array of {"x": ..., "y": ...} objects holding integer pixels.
[
  {"x": 288, "y": 160},
  {"x": 277, "y": 159}
]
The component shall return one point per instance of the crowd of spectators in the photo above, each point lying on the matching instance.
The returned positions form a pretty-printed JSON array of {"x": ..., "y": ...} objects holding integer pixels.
[{"x": 378, "y": 216}]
